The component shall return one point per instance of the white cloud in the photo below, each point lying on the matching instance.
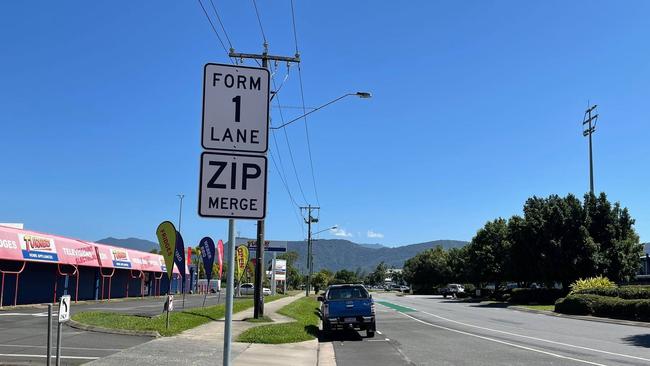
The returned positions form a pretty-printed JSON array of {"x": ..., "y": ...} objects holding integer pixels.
[
  {"x": 341, "y": 232},
  {"x": 373, "y": 234}
]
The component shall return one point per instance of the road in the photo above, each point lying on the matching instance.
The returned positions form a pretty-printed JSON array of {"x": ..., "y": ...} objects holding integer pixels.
[
  {"x": 429, "y": 330},
  {"x": 23, "y": 331}
]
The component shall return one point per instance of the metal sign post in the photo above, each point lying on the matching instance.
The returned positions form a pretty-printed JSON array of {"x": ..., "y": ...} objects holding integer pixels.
[
  {"x": 235, "y": 120},
  {"x": 49, "y": 334},
  {"x": 64, "y": 316},
  {"x": 230, "y": 288}
]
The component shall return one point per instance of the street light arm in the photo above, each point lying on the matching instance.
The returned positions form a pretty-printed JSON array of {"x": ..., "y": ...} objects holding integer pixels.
[
  {"x": 329, "y": 228},
  {"x": 359, "y": 94}
]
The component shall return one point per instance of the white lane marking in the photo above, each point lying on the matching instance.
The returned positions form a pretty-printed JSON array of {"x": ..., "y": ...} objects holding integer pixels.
[
  {"x": 378, "y": 332},
  {"x": 63, "y": 347},
  {"x": 378, "y": 340},
  {"x": 44, "y": 356},
  {"x": 23, "y": 314},
  {"x": 538, "y": 339},
  {"x": 504, "y": 342}
]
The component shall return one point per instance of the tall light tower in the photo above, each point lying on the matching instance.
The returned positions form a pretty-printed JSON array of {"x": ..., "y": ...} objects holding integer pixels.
[{"x": 589, "y": 124}]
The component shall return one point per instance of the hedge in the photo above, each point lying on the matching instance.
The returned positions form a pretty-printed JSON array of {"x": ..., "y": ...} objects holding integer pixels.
[
  {"x": 604, "y": 306},
  {"x": 543, "y": 296},
  {"x": 624, "y": 292}
]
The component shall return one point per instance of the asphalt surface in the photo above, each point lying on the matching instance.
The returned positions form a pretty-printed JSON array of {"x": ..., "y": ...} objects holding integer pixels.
[
  {"x": 429, "y": 330},
  {"x": 23, "y": 331}
]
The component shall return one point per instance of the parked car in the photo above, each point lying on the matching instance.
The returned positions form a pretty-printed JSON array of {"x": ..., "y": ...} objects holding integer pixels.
[
  {"x": 249, "y": 289},
  {"x": 404, "y": 288},
  {"x": 453, "y": 289},
  {"x": 348, "y": 306}
]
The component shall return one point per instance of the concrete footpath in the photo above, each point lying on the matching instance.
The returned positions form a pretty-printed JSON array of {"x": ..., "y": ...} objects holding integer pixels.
[{"x": 203, "y": 345}]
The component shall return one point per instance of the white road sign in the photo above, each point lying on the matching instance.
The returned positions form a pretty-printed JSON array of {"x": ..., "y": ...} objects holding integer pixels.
[
  {"x": 64, "y": 309},
  {"x": 235, "y": 108},
  {"x": 232, "y": 186}
]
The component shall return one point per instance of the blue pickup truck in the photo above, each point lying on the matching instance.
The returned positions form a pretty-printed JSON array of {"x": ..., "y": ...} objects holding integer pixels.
[{"x": 348, "y": 307}]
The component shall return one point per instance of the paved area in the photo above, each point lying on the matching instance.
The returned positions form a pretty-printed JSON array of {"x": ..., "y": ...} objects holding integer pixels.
[
  {"x": 429, "y": 330},
  {"x": 23, "y": 330},
  {"x": 204, "y": 346},
  {"x": 23, "y": 340}
]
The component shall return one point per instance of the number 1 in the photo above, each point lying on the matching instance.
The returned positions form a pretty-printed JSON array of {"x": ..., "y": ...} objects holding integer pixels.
[{"x": 237, "y": 101}]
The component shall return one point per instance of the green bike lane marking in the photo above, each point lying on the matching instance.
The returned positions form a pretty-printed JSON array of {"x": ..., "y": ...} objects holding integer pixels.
[{"x": 400, "y": 308}]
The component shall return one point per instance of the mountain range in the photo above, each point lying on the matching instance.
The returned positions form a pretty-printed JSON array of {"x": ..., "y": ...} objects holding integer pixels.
[{"x": 333, "y": 254}]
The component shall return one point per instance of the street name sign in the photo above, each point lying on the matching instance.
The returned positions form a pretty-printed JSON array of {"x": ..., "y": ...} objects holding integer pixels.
[
  {"x": 235, "y": 108},
  {"x": 269, "y": 246},
  {"x": 232, "y": 186}
]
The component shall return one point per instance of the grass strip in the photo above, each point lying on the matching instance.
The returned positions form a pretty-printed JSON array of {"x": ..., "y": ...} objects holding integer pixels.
[
  {"x": 179, "y": 321},
  {"x": 539, "y": 307},
  {"x": 264, "y": 319},
  {"x": 305, "y": 310}
]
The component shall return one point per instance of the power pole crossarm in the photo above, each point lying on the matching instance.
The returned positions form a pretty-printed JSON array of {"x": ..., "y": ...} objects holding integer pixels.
[
  {"x": 265, "y": 56},
  {"x": 589, "y": 123}
]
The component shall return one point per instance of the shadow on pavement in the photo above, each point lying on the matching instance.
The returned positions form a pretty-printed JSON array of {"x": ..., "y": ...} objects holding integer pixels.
[
  {"x": 498, "y": 305},
  {"x": 639, "y": 340},
  {"x": 348, "y": 335}
]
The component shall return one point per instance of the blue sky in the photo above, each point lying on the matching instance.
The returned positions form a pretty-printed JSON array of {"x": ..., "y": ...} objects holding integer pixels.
[{"x": 476, "y": 106}]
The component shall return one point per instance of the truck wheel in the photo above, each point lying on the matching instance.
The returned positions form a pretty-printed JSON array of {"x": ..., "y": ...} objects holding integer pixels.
[{"x": 370, "y": 333}]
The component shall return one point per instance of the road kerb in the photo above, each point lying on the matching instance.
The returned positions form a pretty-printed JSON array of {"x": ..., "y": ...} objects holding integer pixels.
[
  {"x": 582, "y": 317},
  {"x": 326, "y": 355}
]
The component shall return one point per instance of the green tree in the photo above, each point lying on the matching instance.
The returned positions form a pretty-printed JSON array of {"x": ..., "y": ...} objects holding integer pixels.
[
  {"x": 320, "y": 280},
  {"x": 457, "y": 263},
  {"x": 489, "y": 253},
  {"x": 377, "y": 277},
  {"x": 427, "y": 269},
  {"x": 612, "y": 229},
  {"x": 344, "y": 276}
]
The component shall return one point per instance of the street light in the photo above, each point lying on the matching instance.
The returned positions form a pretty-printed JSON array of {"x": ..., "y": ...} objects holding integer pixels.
[{"x": 360, "y": 94}]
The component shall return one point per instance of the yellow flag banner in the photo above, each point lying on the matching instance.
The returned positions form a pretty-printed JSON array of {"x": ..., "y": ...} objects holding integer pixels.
[
  {"x": 241, "y": 259},
  {"x": 166, "y": 234}
]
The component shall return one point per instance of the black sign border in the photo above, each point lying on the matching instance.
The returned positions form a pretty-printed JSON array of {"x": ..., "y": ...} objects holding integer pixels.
[
  {"x": 268, "y": 83},
  {"x": 266, "y": 163}
]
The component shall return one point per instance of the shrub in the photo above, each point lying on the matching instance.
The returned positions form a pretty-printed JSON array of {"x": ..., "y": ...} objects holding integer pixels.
[
  {"x": 599, "y": 282},
  {"x": 604, "y": 306},
  {"x": 576, "y": 304},
  {"x": 544, "y": 296},
  {"x": 624, "y": 292}
]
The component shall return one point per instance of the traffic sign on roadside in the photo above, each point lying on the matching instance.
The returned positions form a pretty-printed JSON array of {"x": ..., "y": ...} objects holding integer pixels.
[
  {"x": 232, "y": 186},
  {"x": 235, "y": 108},
  {"x": 64, "y": 309}
]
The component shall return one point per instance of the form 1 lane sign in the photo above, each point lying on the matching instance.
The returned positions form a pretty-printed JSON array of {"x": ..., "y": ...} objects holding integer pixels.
[
  {"x": 235, "y": 108},
  {"x": 232, "y": 186}
]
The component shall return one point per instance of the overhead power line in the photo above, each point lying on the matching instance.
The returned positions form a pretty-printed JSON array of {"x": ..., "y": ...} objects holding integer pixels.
[
  {"x": 304, "y": 110},
  {"x": 221, "y": 23},
  {"x": 213, "y": 28},
  {"x": 259, "y": 20},
  {"x": 286, "y": 138},
  {"x": 293, "y": 22}
]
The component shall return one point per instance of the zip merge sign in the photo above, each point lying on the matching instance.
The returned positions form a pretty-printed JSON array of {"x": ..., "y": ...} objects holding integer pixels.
[
  {"x": 235, "y": 108},
  {"x": 232, "y": 186}
]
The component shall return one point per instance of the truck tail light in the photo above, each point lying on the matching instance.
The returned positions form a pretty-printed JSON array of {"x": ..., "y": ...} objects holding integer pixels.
[
  {"x": 372, "y": 308},
  {"x": 326, "y": 310}
]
